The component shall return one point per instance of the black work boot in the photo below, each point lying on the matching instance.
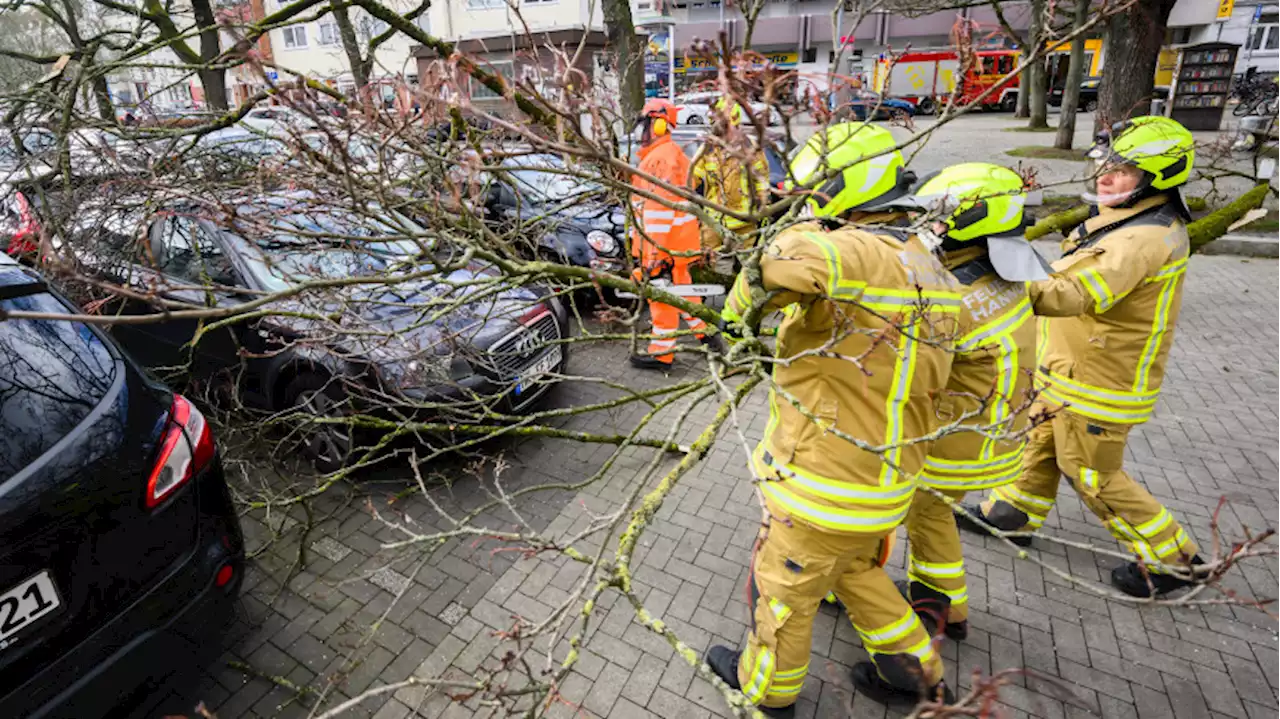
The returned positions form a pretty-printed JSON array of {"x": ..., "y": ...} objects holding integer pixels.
[
  {"x": 930, "y": 612},
  {"x": 1129, "y": 579},
  {"x": 869, "y": 682},
  {"x": 724, "y": 662},
  {"x": 982, "y": 525},
  {"x": 715, "y": 343},
  {"x": 646, "y": 362}
]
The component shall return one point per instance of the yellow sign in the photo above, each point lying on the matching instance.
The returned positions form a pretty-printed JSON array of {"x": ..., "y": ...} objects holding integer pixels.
[
  {"x": 1224, "y": 8},
  {"x": 697, "y": 64}
]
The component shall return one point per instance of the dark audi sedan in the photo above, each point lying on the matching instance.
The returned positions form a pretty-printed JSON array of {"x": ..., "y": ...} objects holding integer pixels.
[
  {"x": 120, "y": 553},
  {"x": 418, "y": 331}
]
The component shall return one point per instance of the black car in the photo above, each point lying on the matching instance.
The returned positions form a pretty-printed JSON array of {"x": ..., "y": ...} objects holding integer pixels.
[
  {"x": 444, "y": 344},
  {"x": 571, "y": 219},
  {"x": 1088, "y": 101},
  {"x": 120, "y": 552}
]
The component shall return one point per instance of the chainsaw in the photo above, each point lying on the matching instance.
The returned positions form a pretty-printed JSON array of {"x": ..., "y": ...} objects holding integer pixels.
[{"x": 681, "y": 290}]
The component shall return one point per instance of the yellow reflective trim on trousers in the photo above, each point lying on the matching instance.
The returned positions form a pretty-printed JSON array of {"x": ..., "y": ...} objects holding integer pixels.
[
  {"x": 785, "y": 690},
  {"x": 970, "y": 482},
  {"x": 1172, "y": 548},
  {"x": 904, "y": 368},
  {"x": 780, "y": 611},
  {"x": 1089, "y": 477},
  {"x": 837, "y": 286},
  {"x": 889, "y": 633},
  {"x": 1159, "y": 326},
  {"x": 1156, "y": 524},
  {"x": 957, "y": 596},
  {"x": 1005, "y": 324},
  {"x": 1122, "y": 530},
  {"x": 1022, "y": 500},
  {"x": 1097, "y": 286},
  {"x": 843, "y": 491},
  {"x": 761, "y": 676},
  {"x": 976, "y": 466},
  {"x": 834, "y": 518},
  {"x": 937, "y": 570},
  {"x": 791, "y": 674}
]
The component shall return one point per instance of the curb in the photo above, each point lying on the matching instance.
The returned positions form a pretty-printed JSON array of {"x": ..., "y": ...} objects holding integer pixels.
[{"x": 1243, "y": 246}]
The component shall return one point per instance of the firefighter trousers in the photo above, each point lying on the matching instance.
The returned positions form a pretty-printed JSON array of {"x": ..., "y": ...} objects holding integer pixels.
[
  {"x": 795, "y": 567},
  {"x": 1090, "y": 454},
  {"x": 936, "y": 562},
  {"x": 666, "y": 319}
]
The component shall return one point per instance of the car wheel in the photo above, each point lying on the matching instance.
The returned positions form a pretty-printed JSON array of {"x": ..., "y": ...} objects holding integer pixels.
[
  {"x": 1009, "y": 103},
  {"x": 926, "y": 106},
  {"x": 328, "y": 446},
  {"x": 694, "y": 120},
  {"x": 1091, "y": 106}
]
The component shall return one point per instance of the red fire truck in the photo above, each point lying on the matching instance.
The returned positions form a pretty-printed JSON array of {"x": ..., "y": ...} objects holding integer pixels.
[{"x": 927, "y": 78}]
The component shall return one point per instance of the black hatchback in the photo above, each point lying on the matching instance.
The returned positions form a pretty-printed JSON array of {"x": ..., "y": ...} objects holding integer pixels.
[{"x": 120, "y": 552}]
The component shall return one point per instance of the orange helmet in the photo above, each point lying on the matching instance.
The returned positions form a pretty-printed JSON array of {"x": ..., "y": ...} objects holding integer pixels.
[{"x": 658, "y": 107}]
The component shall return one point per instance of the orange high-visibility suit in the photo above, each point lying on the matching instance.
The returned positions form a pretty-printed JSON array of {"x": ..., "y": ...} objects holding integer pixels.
[{"x": 665, "y": 239}]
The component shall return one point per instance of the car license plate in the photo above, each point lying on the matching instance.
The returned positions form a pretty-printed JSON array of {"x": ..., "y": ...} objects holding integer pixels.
[
  {"x": 25, "y": 604},
  {"x": 544, "y": 365}
]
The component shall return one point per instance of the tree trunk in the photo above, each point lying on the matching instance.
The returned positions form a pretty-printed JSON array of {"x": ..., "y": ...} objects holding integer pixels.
[
  {"x": 1024, "y": 95},
  {"x": 1075, "y": 71},
  {"x": 751, "y": 14},
  {"x": 1037, "y": 98},
  {"x": 214, "y": 81},
  {"x": 628, "y": 56},
  {"x": 1134, "y": 38},
  {"x": 102, "y": 98},
  {"x": 350, "y": 44}
]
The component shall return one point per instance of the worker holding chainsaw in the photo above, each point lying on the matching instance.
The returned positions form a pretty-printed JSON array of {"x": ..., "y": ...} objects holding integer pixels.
[{"x": 665, "y": 242}]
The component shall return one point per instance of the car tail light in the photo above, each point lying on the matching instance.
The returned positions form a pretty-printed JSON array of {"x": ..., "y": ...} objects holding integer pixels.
[
  {"x": 186, "y": 448},
  {"x": 25, "y": 230}
]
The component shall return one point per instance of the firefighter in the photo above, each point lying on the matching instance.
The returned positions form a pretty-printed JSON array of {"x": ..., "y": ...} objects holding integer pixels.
[
  {"x": 1107, "y": 319},
  {"x": 979, "y": 207},
  {"x": 722, "y": 177},
  {"x": 666, "y": 240},
  {"x": 885, "y": 299}
]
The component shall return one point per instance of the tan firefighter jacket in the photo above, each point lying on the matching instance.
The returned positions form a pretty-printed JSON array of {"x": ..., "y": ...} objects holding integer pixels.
[
  {"x": 990, "y": 382},
  {"x": 845, "y": 291},
  {"x": 726, "y": 180},
  {"x": 1109, "y": 311}
]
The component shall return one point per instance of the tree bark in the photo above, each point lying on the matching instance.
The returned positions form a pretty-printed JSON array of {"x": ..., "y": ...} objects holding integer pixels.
[
  {"x": 1075, "y": 72},
  {"x": 751, "y": 14},
  {"x": 1037, "y": 98},
  {"x": 214, "y": 81},
  {"x": 350, "y": 43},
  {"x": 1134, "y": 38},
  {"x": 628, "y": 56}
]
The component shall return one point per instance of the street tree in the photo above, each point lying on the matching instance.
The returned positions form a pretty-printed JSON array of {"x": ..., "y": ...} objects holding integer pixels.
[
  {"x": 1134, "y": 39},
  {"x": 1075, "y": 74}
]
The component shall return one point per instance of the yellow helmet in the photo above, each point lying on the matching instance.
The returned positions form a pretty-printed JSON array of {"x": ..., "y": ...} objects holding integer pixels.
[
  {"x": 871, "y": 171},
  {"x": 734, "y": 114}
]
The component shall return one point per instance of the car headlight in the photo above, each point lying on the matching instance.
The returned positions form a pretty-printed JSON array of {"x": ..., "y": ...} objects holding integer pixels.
[{"x": 602, "y": 242}]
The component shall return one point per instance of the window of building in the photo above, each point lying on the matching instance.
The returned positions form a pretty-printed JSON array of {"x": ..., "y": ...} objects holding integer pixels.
[
  {"x": 329, "y": 33},
  {"x": 505, "y": 69},
  {"x": 485, "y": 4},
  {"x": 371, "y": 27},
  {"x": 1266, "y": 33},
  {"x": 537, "y": 2},
  {"x": 295, "y": 36}
]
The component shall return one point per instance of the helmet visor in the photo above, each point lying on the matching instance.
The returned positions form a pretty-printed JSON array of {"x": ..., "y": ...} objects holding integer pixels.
[{"x": 1102, "y": 161}]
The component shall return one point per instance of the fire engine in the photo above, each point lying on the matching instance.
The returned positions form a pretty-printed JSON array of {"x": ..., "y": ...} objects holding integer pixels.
[{"x": 927, "y": 78}]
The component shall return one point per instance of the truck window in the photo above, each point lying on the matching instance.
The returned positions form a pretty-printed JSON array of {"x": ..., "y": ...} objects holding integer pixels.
[{"x": 1006, "y": 64}]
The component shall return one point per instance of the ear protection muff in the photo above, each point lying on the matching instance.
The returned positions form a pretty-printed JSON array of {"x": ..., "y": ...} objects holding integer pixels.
[{"x": 660, "y": 127}]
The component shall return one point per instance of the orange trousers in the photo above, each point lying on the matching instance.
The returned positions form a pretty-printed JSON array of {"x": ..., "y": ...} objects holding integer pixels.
[{"x": 666, "y": 319}]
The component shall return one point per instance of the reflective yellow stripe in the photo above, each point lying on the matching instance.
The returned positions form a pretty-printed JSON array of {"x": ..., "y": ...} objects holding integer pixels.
[
  {"x": 890, "y": 633},
  {"x": 1172, "y": 548},
  {"x": 968, "y": 467},
  {"x": 1156, "y": 524},
  {"x": 1125, "y": 399},
  {"x": 761, "y": 676},
  {"x": 957, "y": 596},
  {"x": 1080, "y": 406},
  {"x": 904, "y": 368},
  {"x": 937, "y": 570},
  {"x": 1110, "y": 405},
  {"x": 785, "y": 690},
  {"x": 835, "y": 518},
  {"x": 837, "y": 286},
  {"x": 961, "y": 482},
  {"x": 1173, "y": 269},
  {"x": 1097, "y": 286},
  {"x": 837, "y": 490},
  {"x": 1022, "y": 500},
  {"x": 792, "y": 674},
  {"x": 1089, "y": 477},
  {"x": 1042, "y": 342},
  {"x": 1159, "y": 325},
  {"x": 780, "y": 611},
  {"x": 1005, "y": 324},
  {"x": 1006, "y": 372},
  {"x": 892, "y": 300}
]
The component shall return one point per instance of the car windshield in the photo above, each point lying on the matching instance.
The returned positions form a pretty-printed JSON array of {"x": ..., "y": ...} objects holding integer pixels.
[
  {"x": 327, "y": 244},
  {"x": 548, "y": 185}
]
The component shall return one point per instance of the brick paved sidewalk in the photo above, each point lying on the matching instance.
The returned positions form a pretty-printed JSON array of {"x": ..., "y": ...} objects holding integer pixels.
[{"x": 1214, "y": 435}]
